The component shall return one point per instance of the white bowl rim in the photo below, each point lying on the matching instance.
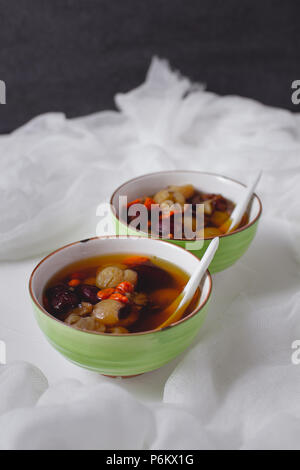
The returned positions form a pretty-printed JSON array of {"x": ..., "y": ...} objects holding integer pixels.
[
  {"x": 188, "y": 171},
  {"x": 43, "y": 310}
]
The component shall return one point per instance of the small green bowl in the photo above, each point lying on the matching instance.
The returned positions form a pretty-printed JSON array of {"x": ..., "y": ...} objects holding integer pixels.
[
  {"x": 231, "y": 247},
  {"x": 110, "y": 354}
]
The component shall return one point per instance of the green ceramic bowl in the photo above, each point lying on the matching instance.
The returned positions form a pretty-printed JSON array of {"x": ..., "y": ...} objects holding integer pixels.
[
  {"x": 232, "y": 246},
  {"x": 118, "y": 355}
]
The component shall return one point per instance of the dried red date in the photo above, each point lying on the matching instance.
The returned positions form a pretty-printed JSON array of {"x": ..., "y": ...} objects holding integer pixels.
[
  {"x": 88, "y": 293},
  {"x": 61, "y": 299},
  {"x": 220, "y": 204}
]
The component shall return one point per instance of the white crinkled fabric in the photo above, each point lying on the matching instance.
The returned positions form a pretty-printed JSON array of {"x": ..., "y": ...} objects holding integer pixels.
[{"x": 236, "y": 387}]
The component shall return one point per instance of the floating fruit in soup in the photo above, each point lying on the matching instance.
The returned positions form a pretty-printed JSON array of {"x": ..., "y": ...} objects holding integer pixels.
[
  {"x": 117, "y": 294},
  {"x": 168, "y": 202}
]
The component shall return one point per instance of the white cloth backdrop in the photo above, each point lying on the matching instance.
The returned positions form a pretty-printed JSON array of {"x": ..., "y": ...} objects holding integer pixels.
[{"x": 236, "y": 387}]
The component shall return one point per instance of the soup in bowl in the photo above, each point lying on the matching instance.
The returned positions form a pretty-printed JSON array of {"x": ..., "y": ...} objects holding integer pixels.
[
  {"x": 100, "y": 302},
  {"x": 179, "y": 196}
]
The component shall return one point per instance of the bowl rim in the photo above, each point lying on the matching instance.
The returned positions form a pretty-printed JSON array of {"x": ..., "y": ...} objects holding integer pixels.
[
  {"x": 113, "y": 209},
  {"x": 44, "y": 311}
]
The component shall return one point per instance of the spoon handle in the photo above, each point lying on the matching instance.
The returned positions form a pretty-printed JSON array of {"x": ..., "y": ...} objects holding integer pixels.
[
  {"x": 205, "y": 261},
  {"x": 177, "y": 308},
  {"x": 241, "y": 206}
]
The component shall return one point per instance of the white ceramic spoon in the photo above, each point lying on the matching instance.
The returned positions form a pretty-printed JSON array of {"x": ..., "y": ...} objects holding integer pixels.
[
  {"x": 180, "y": 304},
  {"x": 242, "y": 205}
]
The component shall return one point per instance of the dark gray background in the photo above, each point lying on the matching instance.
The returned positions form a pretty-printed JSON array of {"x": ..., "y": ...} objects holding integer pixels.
[{"x": 74, "y": 55}]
